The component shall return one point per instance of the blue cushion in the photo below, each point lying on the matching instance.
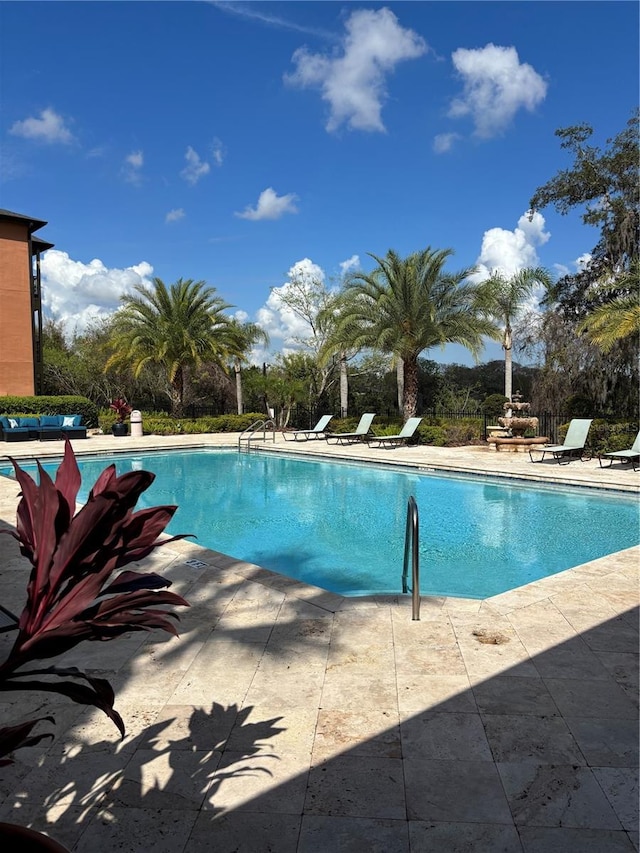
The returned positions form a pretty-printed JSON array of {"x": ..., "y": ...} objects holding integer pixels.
[
  {"x": 50, "y": 420},
  {"x": 4, "y": 422},
  {"x": 29, "y": 422}
]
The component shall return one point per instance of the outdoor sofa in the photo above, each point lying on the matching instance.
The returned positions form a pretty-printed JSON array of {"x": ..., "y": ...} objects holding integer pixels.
[{"x": 43, "y": 427}]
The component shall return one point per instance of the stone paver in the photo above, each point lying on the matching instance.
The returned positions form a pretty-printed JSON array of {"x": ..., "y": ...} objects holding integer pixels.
[{"x": 290, "y": 719}]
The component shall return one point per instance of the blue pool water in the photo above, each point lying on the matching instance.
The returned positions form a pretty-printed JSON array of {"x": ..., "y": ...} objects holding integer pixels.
[{"x": 341, "y": 526}]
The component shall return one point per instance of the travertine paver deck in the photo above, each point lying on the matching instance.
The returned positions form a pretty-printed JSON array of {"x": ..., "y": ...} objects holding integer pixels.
[{"x": 289, "y": 719}]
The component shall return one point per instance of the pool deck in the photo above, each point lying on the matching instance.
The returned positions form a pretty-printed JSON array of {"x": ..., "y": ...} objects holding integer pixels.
[{"x": 289, "y": 719}]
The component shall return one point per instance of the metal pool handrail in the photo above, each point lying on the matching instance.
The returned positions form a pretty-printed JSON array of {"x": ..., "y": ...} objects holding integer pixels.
[
  {"x": 249, "y": 433},
  {"x": 412, "y": 537}
]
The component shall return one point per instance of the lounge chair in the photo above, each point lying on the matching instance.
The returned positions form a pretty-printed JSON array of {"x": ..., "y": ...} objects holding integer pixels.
[
  {"x": 305, "y": 434},
  {"x": 402, "y": 437},
  {"x": 631, "y": 455},
  {"x": 360, "y": 434},
  {"x": 574, "y": 442}
]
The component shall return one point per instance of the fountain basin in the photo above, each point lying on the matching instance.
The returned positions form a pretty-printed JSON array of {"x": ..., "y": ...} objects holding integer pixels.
[{"x": 516, "y": 443}]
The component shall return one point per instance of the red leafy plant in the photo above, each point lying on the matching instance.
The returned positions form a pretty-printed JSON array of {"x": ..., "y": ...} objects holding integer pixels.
[
  {"x": 75, "y": 590},
  {"x": 121, "y": 408}
]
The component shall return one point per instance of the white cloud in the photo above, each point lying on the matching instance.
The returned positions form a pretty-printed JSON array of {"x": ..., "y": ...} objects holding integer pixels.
[
  {"x": 496, "y": 86},
  {"x": 353, "y": 83},
  {"x": 175, "y": 215},
  {"x": 133, "y": 164},
  {"x": 270, "y": 206},
  {"x": 579, "y": 265},
  {"x": 76, "y": 293},
  {"x": 135, "y": 159},
  {"x": 352, "y": 263},
  {"x": 583, "y": 261},
  {"x": 195, "y": 168},
  {"x": 245, "y": 11},
  {"x": 508, "y": 252},
  {"x": 218, "y": 151},
  {"x": 444, "y": 142},
  {"x": 50, "y": 127},
  {"x": 279, "y": 321}
]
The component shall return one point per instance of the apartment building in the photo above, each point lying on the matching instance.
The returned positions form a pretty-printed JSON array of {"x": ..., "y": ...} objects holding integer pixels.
[{"x": 20, "y": 304}]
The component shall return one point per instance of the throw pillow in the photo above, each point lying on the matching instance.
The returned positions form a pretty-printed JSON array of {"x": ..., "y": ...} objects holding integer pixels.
[
  {"x": 13, "y": 423},
  {"x": 68, "y": 421}
]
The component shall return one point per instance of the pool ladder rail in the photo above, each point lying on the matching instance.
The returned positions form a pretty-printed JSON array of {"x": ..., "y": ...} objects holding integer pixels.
[
  {"x": 412, "y": 544},
  {"x": 257, "y": 432}
]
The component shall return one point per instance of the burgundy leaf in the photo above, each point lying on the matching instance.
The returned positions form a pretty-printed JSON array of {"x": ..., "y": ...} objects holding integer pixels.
[{"x": 68, "y": 479}]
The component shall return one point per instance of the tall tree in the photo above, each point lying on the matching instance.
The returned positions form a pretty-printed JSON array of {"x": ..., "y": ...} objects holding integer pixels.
[
  {"x": 503, "y": 297},
  {"x": 176, "y": 327},
  {"x": 243, "y": 337},
  {"x": 306, "y": 296},
  {"x": 602, "y": 186},
  {"x": 408, "y": 305}
]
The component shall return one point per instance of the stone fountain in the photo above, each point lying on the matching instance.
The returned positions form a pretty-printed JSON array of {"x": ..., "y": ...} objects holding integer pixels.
[{"x": 516, "y": 421}]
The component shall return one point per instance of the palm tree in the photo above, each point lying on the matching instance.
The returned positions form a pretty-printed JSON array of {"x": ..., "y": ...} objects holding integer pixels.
[
  {"x": 243, "y": 337},
  {"x": 177, "y": 328},
  {"x": 502, "y": 298},
  {"x": 619, "y": 316},
  {"x": 406, "y": 306}
]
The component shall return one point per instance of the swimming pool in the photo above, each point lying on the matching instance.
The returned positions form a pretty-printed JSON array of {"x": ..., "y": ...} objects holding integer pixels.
[{"x": 341, "y": 525}]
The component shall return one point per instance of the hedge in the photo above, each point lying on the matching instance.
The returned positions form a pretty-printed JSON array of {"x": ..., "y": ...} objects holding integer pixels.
[{"x": 160, "y": 423}]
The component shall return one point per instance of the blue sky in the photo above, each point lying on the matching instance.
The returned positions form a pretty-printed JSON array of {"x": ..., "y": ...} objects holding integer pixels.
[{"x": 235, "y": 142}]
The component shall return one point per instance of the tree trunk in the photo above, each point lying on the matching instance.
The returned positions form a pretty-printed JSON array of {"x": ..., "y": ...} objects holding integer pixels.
[
  {"x": 400, "y": 381},
  {"x": 177, "y": 394},
  {"x": 240, "y": 401},
  {"x": 507, "y": 346},
  {"x": 344, "y": 386},
  {"x": 410, "y": 402}
]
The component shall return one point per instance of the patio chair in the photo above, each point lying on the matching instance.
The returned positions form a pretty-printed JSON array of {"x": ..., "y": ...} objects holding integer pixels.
[
  {"x": 360, "y": 433},
  {"x": 402, "y": 437},
  {"x": 305, "y": 434},
  {"x": 631, "y": 455},
  {"x": 574, "y": 442}
]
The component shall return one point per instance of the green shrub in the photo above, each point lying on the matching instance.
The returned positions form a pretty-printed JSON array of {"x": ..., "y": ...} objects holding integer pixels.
[
  {"x": 605, "y": 436},
  {"x": 51, "y": 405},
  {"x": 493, "y": 406},
  {"x": 462, "y": 431},
  {"x": 433, "y": 435},
  {"x": 160, "y": 426}
]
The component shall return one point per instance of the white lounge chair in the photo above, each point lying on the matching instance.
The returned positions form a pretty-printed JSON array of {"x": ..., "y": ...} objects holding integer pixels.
[
  {"x": 631, "y": 455},
  {"x": 402, "y": 437},
  {"x": 318, "y": 431},
  {"x": 360, "y": 433},
  {"x": 574, "y": 442}
]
